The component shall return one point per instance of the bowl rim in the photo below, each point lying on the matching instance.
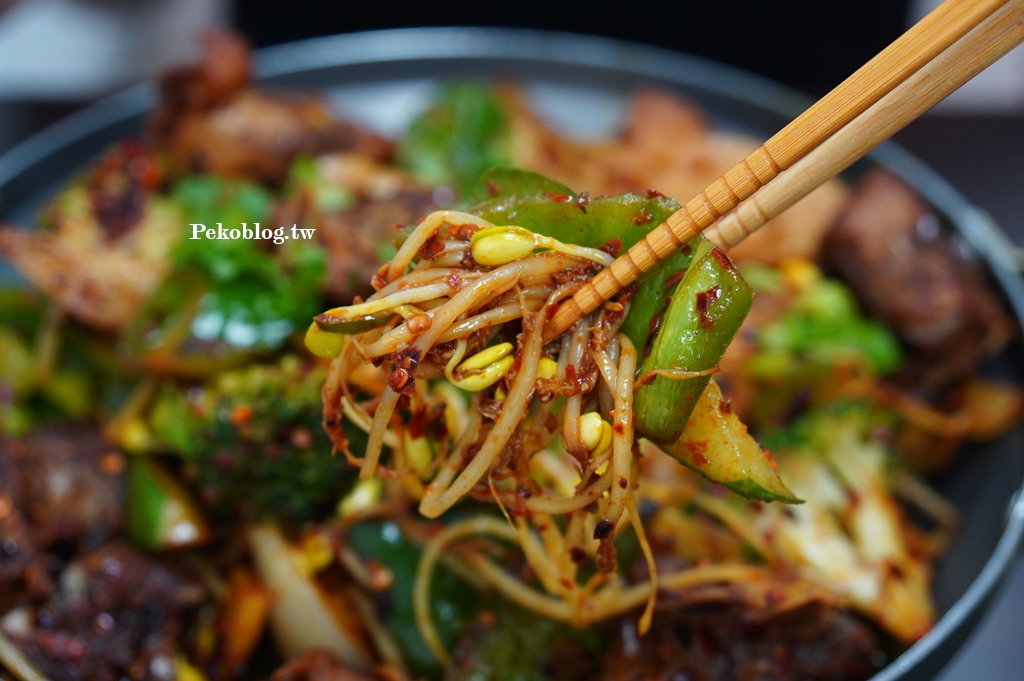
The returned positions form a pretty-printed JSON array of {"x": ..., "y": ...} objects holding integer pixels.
[{"x": 463, "y": 44}]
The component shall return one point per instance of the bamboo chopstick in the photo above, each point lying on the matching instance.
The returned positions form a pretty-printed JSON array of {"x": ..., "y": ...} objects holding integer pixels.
[
  {"x": 891, "y": 67},
  {"x": 986, "y": 43}
]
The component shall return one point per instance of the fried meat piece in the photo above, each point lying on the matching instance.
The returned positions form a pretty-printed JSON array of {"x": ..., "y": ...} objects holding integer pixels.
[
  {"x": 67, "y": 483},
  {"x": 107, "y": 240},
  {"x": 908, "y": 273},
  {"x": 718, "y": 643},
  {"x": 117, "y": 614},
  {"x": 208, "y": 120}
]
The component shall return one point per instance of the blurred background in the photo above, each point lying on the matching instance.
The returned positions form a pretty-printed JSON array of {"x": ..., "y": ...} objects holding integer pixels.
[{"x": 57, "y": 56}]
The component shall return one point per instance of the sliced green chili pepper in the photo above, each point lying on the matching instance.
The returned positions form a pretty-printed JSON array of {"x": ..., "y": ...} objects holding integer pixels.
[
  {"x": 335, "y": 324},
  {"x": 161, "y": 514},
  {"x": 717, "y": 445},
  {"x": 705, "y": 312},
  {"x": 550, "y": 209}
]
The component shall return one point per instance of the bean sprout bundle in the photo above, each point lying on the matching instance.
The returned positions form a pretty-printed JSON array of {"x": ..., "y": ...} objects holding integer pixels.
[{"x": 548, "y": 431}]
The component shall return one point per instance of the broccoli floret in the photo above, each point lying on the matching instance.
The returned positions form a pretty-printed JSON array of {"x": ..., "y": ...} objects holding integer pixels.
[{"x": 252, "y": 439}]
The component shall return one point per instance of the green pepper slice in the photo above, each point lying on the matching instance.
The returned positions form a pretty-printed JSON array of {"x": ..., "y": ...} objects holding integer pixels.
[
  {"x": 703, "y": 316},
  {"x": 336, "y": 324},
  {"x": 717, "y": 445},
  {"x": 531, "y": 201},
  {"x": 160, "y": 514}
]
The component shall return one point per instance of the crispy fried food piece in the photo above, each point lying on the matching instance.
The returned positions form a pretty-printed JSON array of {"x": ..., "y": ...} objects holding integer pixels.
[
  {"x": 208, "y": 120},
  {"x": 668, "y": 145},
  {"x": 108, "y": 240},
  {"x": 909, "y": 274},
  {"x": 118, "y": 613}
]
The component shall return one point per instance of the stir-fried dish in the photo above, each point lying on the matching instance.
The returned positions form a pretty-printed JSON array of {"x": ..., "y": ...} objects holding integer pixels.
[{"x": 339, "y": 448}]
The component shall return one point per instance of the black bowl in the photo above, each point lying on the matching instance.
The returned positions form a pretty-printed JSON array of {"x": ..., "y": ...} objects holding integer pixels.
[{"x": 382, "y": 77}]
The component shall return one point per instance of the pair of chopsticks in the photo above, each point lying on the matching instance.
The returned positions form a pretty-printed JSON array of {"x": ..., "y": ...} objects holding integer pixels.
[{"x": 954, "y": 43}]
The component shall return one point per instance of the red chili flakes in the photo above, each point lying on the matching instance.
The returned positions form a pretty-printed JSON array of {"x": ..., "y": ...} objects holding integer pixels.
[
  {"x": 705, "y": 298},
  {"x": 725, "y": 405},
  {"x": 381, "y": 578},
  {"x": 612, "y": 247},
  {"x": 558, "y": 198},
  {"x": 570, "y": 374},
  {"x": 654, "y": 194},
  {"x": 379, "y": 279},
  {"x": 674, "y": 279},
  {"x": 643, "y": 217},
  {"x": 771, "y": 459},
  {"x": 492, "y": 188},
  {"x": 467, "y": 261},
  {"x": 301, "y": 438},
  {"x": 852, "y": 497},
  {"x": 722, "y": 258},
  {"x": 241, "y": 415},
  {"x": 408, "y": 359},
  {"x": 397, "y": 379},
  {"x": 582, "y": 201},
  {"x": 895, "y": 571},
  {"x": 619, "y": 429},
  {"x": 697, "y": 449},
  {"x": 462, "y": 232},
  {"x": 113, "y": 463},
  {"x": 432, "y": 247},
  {"x": 454, "y": 280},
  {"x": 418, "y": 323}
]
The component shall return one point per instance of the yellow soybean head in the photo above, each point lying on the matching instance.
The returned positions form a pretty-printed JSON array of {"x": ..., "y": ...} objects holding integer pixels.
[
  {"x": 501, "y": 245},
  {"x": 799, "y": 273},
  {"x": 365, "y": 494},
  {"x": 595, "y": 432},
  {"x": 322, "y": 343},
  {"x": 316, "y": 553},
  {"x": 485, "y": 357},
  {"x": 488, "y": 375},
  {"x": 417, "y": 452},
  {"x": 185, "y": 671},
  {"x": 547, "y": 368}
]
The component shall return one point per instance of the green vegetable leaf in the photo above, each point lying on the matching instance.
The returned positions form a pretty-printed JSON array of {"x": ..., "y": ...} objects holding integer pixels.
[
  {"x": 452, "y": 602},
  {"x": 461, "y": 135}
]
